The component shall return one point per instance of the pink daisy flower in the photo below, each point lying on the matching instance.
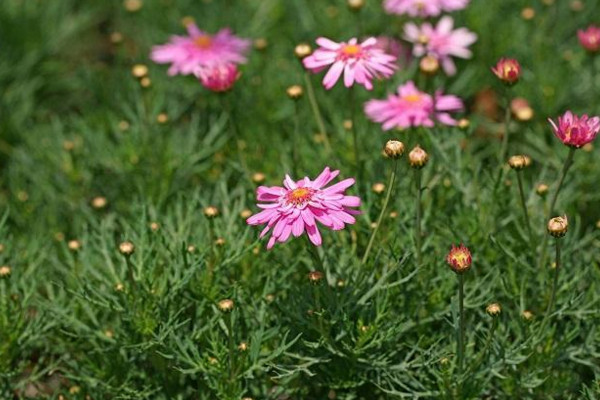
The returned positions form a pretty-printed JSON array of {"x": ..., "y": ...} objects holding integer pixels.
[
  {"x": 200, "y": 49},
  {"x": 360, "y": 63},
  {"x": 411, "y": 107},
  {"x": 299, "y": 205},
  {"x": 440, "y": 41},
  {"x": 423, "y": 8},
  {"x": 590, "y": 38},
  {"x": 575, "y": 131},
  {"x": 218, "y": 78}
]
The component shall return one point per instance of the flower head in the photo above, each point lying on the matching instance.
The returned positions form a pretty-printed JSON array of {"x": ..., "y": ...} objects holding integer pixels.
[
  {"x": 459, "y": 259},
  {"x": 423, "y": 8},
  {"x": 440, "y": 41},
  {"x": 590, "y": 38},
  {"x": 360, "y": 62},
  {"x": 508, "y": 70},
  {"x": 575, "y": 131},
  {"x": 411, "y": 107},
  {"x": 394, "y": 149},
  {"x": 519, "y": 162},
  {"x": 200, "y": 49},
  {"x": 558, "y": 226},
  {"x": 299, "y": 205},
  {"x": 218, "y": 77}
]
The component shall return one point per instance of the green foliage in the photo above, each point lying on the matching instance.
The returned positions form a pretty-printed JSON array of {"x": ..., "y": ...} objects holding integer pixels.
[{"x": 80, "y": 319}]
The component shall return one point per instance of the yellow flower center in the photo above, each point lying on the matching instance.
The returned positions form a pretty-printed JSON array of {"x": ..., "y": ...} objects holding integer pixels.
[
  {"x": 351, "y": 49},
  {"x": 412, "y": 98},
  {"x": 460, "y": 258},
  {"x": 299, "y": 196},
  {"x": 203, "y": 41}
]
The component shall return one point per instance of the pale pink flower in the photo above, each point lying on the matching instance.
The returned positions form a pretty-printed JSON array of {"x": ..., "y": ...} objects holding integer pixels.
[
  {"x": 411, "y": 107},
  {"x": 590, "y": 38},
  {"x": 440, "y": 41},
  {"x": 360, "y": 63},
  {"x": 396, "y": 48},
  {"x": 219, "y": 77},
  {"x": 423, "y": 8},
  {"x": 575, "y": 131},
  {"x": 299, "y": 205},
  {"x": 200, "y": 49}
]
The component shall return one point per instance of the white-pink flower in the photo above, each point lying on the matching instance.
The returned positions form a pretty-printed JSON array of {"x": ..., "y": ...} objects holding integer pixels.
[
  {"x": 359, "y": 62},
  {"x": 411, "y": 107},
  {"x": 440, "y": 41},
  {"x": 299, "y": 205},
  {"x": 423, "y": 8},
  {"x": 200, "y": 49}
]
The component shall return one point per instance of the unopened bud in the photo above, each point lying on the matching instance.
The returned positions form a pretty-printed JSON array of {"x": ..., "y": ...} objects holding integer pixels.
[
  {"x": 315, "y": 277},
  {"x": 295, "y": 92},
  {"x": 493, "y": 309},
  {"x": 558, "y": 226},
  {"x": 5, "y": 271},
  {"x": 126, "y": 248},
  {"x": 519, "y": 162},
  {"x": 394, "y": 149},
  {"x": 356, "y": 5},
  {"x": 302, "y": 50},
  {"x": 211, "y": 212},
  {"x": 463, "y": 123},
  {"x": 226, "y": 305},
  {"x": 429, "y": 65},
  {"x": 418, "y": 157},
  {"x": 541, "y": 189}
]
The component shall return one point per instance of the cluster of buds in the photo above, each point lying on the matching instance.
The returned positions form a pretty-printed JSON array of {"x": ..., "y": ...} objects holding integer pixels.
[
  {"x": 519, "y": 162},
  {"x": 558, "y": 226},
  {"x": 394, "y": 149},
  {"x": 508, "y": 70},
  {"x": 459, "y": 259}
]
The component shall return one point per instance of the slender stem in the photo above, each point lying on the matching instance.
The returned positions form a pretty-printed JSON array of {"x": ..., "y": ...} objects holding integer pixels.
[
  {"x": 525, "y": 213},
  {"x": 418, "y": 216},
  {"x": 316, "y": 112},
  {"x": 565, "y": 169},
  {"x": 294, "y": 141},
  {"x": 554, "y": 287},
  {"x": 130, "y": 273},
  {"x": 382, "y": 213},
  {"x": 315, "y": 254},
  {"x": 504, "y": 146},
  {"x": 229, "y": 323},
  {"x": 486, "y": 347},
  {"x": 359, "y": 169},
  {"x": 461, "y": 323}
]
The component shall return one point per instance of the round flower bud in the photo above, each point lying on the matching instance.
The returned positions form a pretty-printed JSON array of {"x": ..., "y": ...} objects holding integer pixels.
[
  {"x": 356, "y": 5},
  {"x": 119, "y": 287},
  {"x": 220, "y": 242},
  {"x": 145, "y": 82},
  {"x": 74, "y": 245},
  {"x": 126, "y": 248},
  {"x": 191, "y": 248},
  {"x": 418, "y": 157},
  {"x": 527, "y": 315},
  {"x": 558, "y": 226},
  {"x": 378, "y": 188},
  {"x": 315, "y": 277},
  {"x": 245, "y": 213},
  {"x": 429, "y": 65},
  {"x": 243, "y": 346},
  {"x": 211, "y": 212},
  {"x": 225, "y": 305},
  {"x": 303, "y": 50},
  {"x": 521, "y": 109},
  {"x": 519, "y": 162},
  {"x": 459, "y": 259},
  {"x": 295, "y": 92},
  {"x": 508, "y": 70},
  {"x": 260, "y": 44},
  {"x": 162, "y": 118},
  {"x": 5, "y": 271},
  {"x": 347, "y": 124},
  {"x": 541, "y": 189},
  {"x": 258, "y": 177},
  {"x": 394, "y": 149},
  {"x": 99, "y": 202},
  {"x": 463, "y": 123},
  {"x": 139, "y": 71},
  {"x": 493, "y": 309},
  {"x": 154, "y": 226},
  {"x": 133, "y": 5}
]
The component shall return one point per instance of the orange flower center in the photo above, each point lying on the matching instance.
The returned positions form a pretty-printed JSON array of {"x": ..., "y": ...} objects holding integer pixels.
[
  {"x": 351, "y": 49},
  {"x": 412, "y": 98},
  {"x": 203, "y": 41},
  {"x": 299, "y": 196}
]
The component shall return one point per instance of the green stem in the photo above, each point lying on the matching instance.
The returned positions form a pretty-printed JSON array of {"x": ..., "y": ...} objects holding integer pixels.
[
  {"x": 294, "y": 141},
  {"x": 565, "y": 169},
  {"x": 130, "y": 273},
  {"x": 418, "y": 216},
  {"x": 315, "y": 254},
  {"x": 554, "y": 286},
  {"x": 359, "y": 169},
  {"x": 316, "y": 112},
  {"x": 486, "y": 348},
  {"x": 382, "y": 213},
  {"x": 461, "y": 323},
  {"x": 229, "y": 323},
  {"x": 504, "y": 146},
  {"x": 525, "y": 213}
]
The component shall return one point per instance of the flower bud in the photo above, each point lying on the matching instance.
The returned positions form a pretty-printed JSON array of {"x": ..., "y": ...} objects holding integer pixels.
[
  {"x": 541, "y": 189},
  {"x": 508, "y": 70},
  {"x": 394, "y": 149},
  {"x": 145, "y": 82},
  {"x": 99, "y": 202},
  {"x": 74, "y": 245},
  {"x": 126, "y": 248},
  {"x": 315, "y": 277},
  {"x": 527, "y": 315},
  {"x": 558, "y": 226},
  {"x": 258, "y": 177},
  {"x": 418, "y": 157},
  {"x": 245, "y": 214},
  {"x": 463, "y": 123},
  {"x": 378, "y": 188},
  {"x": 260, "y": 44},
  {"x": 225, "y": 305},
  {"x": 429, "y": 65},
  {"x": 295, "y": 92},
  {"x": 211, "y": 212},
  {"x": 493, "y": 309},
  {"x": 519, "y": 162},
  {"x": 521, "y": 109},
  {"x": 302, "y": 50},
  {"x": 5, "y": 271},
  {"x": 356, "y": 5},
  {"x": 243, "y": 346},
  {"x": 139, "y": 71},
  {"x": 459, "y": 259},
  {"x": 162, "y": 118}
]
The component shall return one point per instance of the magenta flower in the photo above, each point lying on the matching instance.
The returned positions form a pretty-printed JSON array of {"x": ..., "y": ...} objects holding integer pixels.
[
  {"x": 200, "y": 49},
  {"x": 576, "y": 131},
  {"x": 296, "y": 207},
  {"x": 219, "y": 77},
  {"x": 411, "y": 107},
  {"x": 590, "y": 38},
  {"x": 508, "y": 70},
  {"x": 423, "y": 8},
  {"x": 360, "y": 63},
  {"x": 440, "y": 42}
]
